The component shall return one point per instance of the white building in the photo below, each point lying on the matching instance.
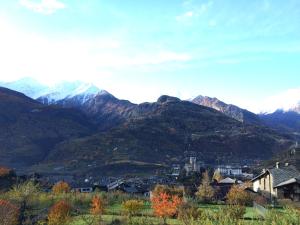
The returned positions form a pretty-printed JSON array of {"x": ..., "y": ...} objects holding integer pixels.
[{"x": 230, "y": 170}]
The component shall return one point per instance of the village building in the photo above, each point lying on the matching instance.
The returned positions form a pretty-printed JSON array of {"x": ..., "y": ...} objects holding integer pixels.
[
  {"x": 193, "y": 165},
  {"x": 229, "y": 170},
  {"x": 279, "y": 182}
]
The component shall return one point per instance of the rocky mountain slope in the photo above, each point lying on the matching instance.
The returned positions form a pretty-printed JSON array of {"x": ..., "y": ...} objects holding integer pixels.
[
  {"x": 30, "y": 130},
  {"x": 160, "y": 133},
  {"x": 284, "y": 120},
  {"x": 108, "y": 134},
  {"x": 232, "y": 111}
]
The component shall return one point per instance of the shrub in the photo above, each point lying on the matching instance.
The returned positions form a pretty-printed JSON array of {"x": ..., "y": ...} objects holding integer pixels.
[
  {"x": 97, "y": 206},
  {"x": 289, "y": 217},
  {"x": 61, "y": 187},
  {"x": 235, "y": 212},
  {"x": 59, "y": 213},
  {"x": 238, "y": 196},
  {"x": 9, "y": 213},
  {"x": 132, "y": 207},
  {"x": 188, "y": 214},
  {"x": 261, "y": 200}
]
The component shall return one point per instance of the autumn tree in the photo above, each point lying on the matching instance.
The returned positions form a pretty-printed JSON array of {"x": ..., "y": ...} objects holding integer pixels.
[
  {"x": 132, "y": 207},
  {"x": 205, "y": 191},
  {"x": 9, "y": 213},
  {"x": 217, "y": 176},
  {"x": 168, "y": 190},
  {"x": 61, "y": 187},
  {"x": 238, "y": 196},
  {"x": 4, "y": 172},
  {"x": 24, "y": 194},
  {"x": 59, "y": 213},
  {"x": 165, "y": 205},
  {"x": 97, "y": 208}
]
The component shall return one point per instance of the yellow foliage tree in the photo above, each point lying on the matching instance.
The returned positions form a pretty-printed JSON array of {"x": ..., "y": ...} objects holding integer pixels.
[
  {"x": 132, "y": 207},
  {"x": 61, "y": 187},
  {"x": 205, "y": 191}
]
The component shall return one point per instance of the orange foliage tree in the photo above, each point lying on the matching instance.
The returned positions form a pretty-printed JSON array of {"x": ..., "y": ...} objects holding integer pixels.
[
  {"x": 165, "y": 205},
  {"x": 97, "y": 206},
  {"x": 61, "y": 187},
  {"x": 59, "y": 213},
  {"x": 5, "y": 171},
  {"x": 9, "y": 213}
]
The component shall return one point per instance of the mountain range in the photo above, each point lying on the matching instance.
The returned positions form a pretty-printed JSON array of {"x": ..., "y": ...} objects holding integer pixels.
[{"x": 79, "y": 128}]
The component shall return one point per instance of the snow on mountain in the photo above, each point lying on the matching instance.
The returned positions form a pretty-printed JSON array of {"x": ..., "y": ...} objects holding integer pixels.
[
  {"x": 28, "y": 86},
  {"x": 69, "y": 90},
  {"x": 52, "y": 94}
]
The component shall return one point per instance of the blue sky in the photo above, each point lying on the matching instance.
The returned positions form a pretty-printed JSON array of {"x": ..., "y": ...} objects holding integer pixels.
[{"x": 245, "y": 52}]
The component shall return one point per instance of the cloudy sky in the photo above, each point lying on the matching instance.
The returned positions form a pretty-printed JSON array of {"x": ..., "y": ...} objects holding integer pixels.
[{"x": 243, "y": 52}]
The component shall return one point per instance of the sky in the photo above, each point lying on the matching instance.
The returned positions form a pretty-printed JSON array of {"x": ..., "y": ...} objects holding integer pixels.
[{"x": 243, "y": 52}]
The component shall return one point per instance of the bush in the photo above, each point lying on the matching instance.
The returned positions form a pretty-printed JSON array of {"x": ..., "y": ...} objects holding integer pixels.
[
  {"x": 235, "y": 212},
  {"x": 9, "y": 213},
  {"x": 97, "y": 206},
  {"x": 59, "y": 213},
  {"x": 132, "y": 207},
  {"x": 290, "y": 217},
  {"x": 261, "y": 200},
  {"x": 188, "y": 214},
  {"x": 238, "y": 196},
  {"x": 61, "y": 187}
]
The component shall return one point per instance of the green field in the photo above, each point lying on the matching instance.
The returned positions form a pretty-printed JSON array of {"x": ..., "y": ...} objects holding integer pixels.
[{"x": 115, "y": 212}]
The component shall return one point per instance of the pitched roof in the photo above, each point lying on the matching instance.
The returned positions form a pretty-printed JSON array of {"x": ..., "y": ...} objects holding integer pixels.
[
  {"x": 290, "y": 181},
  {"x": 280, "y": 175},
  {"x": 227, "y": 180},
  {"x": 283, "y": 174}
]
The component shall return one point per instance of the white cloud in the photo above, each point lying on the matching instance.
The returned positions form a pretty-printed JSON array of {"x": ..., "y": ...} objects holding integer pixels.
[
  {"x": 185, "y": 16},
  {"x": 46, "y": 7},
  {"x": 284, "y": 100},
  {"x": 49, "y": 59},
  {"x": 195, "y": 11}
]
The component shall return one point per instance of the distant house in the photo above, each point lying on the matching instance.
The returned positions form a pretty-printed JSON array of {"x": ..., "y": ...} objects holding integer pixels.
[
  {"x": 228, "y": 170},
  {"x": 278, "y": 182},
  {"x": 84, "y": 189},
  {"x": 223, "y": 186}
]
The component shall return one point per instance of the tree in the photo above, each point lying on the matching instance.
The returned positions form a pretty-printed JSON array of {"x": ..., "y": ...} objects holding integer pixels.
[
  {"x": 9, "y": 213},
  {"x": 238, "y": 196},
  {"x": 165, "y": 205},
  {"x": 4, "y": 172},
  {"x": 97, "y": 207},
  {"x": 24, "y": 193},
  {"x": 168, "y": 190},
  {"x": 132, "y": 207},
  {"x": 217, "y": 176},
  {"x": 205, "y": 191},
  {"x": 59, "y": 213},
  {"x": 61, "y": 187}
]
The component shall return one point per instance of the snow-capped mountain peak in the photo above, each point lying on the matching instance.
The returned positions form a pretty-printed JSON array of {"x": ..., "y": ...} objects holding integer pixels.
[{"x": 52, "y": 94}]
